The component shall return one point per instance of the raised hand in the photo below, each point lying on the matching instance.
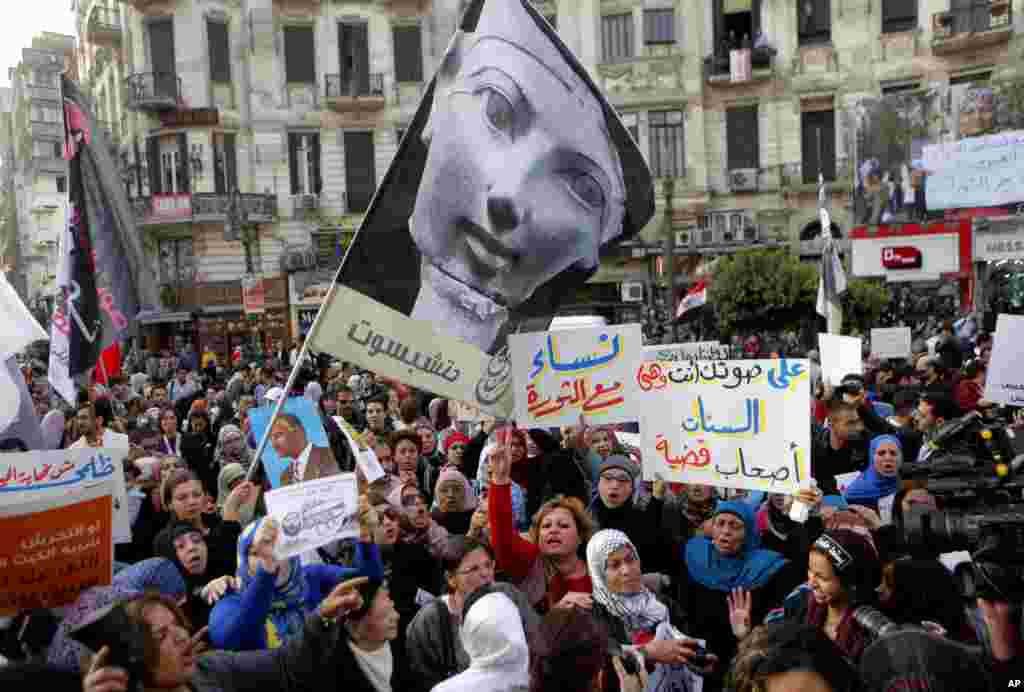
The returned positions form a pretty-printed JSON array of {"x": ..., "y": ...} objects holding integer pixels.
[
  {"x": 343, "y": 599},
  {"x": 739, "y": 612},
  {"x": 102, "y": 678}
]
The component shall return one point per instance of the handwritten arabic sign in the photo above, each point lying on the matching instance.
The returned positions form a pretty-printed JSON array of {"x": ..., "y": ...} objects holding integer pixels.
[
  {"x": 1005, "y": 380},
  {"x": 695, "y": 350},
  {"x": 561, "y": 375},
  {"x": 890, "y": 342},
  {"x": 729, "y": 423},
  {"x": 53, "y": 549},
  {"x": 302, "y": 408},
  {"x": 34, "y": 475},
  {"x": 314, "y": 513},
  {"x": 975, "y": 171}
]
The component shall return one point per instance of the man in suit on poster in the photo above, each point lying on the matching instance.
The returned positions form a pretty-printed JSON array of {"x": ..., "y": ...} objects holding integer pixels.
[{"x": 307, "y": 462}]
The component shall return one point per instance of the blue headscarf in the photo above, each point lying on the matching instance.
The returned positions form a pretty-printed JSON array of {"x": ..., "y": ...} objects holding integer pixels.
[
  {"x": 754, "y": 566},
  {"x": 288, "y": 606},
  {"x": 870, "y": 485}
]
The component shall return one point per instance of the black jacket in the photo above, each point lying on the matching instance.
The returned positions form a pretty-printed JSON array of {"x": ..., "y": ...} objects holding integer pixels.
[
  {"x": 556, "y": 471},
  {"x": 643, "y": 527}
]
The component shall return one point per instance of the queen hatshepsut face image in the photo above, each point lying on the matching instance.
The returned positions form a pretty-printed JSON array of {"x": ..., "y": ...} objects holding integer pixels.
[{"x": 521, "y": 176}]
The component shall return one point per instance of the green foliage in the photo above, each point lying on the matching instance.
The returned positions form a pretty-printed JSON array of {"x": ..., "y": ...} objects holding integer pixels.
[
  {"x": 863, "y": 304},
  {"x": 771, "y": 289},
  {"x": 762, "y": 289}
]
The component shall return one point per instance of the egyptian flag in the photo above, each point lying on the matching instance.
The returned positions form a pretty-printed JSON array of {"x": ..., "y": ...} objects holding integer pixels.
[
  {"x": 514, "y": 178},
  {"x": 694, "y": 298},
  {"x": 102, "y": 276},
  {"x": 108, "y": 366}
]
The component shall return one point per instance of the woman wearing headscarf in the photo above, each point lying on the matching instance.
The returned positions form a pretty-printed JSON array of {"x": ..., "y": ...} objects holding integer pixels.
[
  {"x": 228, "y": 479},
  {"x": 881, "y": 479},
  {"x": 433, "y": 642},
  {"x": 635, "y": 616},
  {"x": 844, "y": 573},
  {"x": 274, "y": 596},
  {"x": 417, "y": 525},
  {"x": 231, "y": 447},
  {"x": 727, "y": 565},
  {"x": 492, "y": 635},
  {"x": 207, "y": 576},
  {"x": 455, "y": 501},
  {"x": 154, "y": 574}
]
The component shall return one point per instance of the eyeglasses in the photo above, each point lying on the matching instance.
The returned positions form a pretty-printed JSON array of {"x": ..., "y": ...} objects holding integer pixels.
[
  {"x": 478, "y": 569},
  {"x": 616, "y": 478}
]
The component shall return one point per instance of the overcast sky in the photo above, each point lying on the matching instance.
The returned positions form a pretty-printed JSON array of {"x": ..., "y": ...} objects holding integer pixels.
[{"x": 30, "y": 17}]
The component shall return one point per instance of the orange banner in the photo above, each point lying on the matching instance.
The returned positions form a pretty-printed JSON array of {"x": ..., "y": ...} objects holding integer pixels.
[{"x": 48, "y": 557}]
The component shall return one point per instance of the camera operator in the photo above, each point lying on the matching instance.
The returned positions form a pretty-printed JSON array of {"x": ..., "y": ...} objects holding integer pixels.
[{"x": 933, "y": 411}]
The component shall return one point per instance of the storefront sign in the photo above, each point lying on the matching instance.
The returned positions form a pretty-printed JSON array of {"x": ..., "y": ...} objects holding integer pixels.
[
  {"x": 998, "y": 246},
  {"x": 194, "y": 117},
  {"x": 253, "y": 297},
  {"x": 902, "y": 257}
]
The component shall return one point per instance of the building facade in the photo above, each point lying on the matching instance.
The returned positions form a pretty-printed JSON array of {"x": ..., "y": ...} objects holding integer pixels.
[
  {"x": 35, "y": 173},
  {"x": 296, "y": 104},
  {"x": 738, "y": 106}
]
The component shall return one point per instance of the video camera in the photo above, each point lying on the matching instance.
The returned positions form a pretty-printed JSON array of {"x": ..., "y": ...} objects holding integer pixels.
[
  {"x": 971, "y": 459},
  {"x": 973, "y": 467}
]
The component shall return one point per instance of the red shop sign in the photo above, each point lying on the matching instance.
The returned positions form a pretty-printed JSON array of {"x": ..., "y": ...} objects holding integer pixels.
[{"x": 901, "y": 257}]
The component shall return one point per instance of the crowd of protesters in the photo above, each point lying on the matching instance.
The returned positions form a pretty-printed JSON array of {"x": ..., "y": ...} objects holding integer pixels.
[{"x": 493, "y": 558}]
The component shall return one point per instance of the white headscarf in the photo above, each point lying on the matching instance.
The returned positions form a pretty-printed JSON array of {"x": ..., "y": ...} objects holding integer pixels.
[{"x": 638, "y": 611}]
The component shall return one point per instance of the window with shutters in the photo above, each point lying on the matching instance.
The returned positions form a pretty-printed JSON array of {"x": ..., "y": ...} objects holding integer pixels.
[
  {"x": 177, "y": 261},
  {"x": 814, "y": 21},
  {"x": 408, "y": 53},
  {"x": 225, "y": 163},
  {"x": 742, "y": 138},
  {"x": 899, "y": 15},
  {"x": 327, "y": 244},
  {"x": 616, "y": 37},
  {"x": 304, "y": 163},
  {"x": 736, "y": 25},
  {"x": 299, "y": 55},
  {"x": 354, "y": 59},
  {"x": 220, "y": 52},
  {"x": 360, "y": 171},
  {"x": 666, "y": 143},
  {"x": 57, "y": 150},
  {"x": 818, "y": 145},
  {"x": 62, "y": 184},
  {"x": 659, "y": 26}
]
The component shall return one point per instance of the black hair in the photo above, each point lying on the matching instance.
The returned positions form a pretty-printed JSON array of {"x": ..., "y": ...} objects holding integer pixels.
[
  {"x": 786, "y": 647},
  {"x": 942, "y": 405}
]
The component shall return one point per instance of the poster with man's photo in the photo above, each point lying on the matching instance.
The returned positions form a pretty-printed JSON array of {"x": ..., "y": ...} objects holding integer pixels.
[{"x": 515, "y": 175}]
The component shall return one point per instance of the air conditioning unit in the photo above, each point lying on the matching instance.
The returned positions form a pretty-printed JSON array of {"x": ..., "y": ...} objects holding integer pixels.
[
  {"x": 743, "y": 179},
  {"x": 309, "y": 202},
  {"x": 632, "y": 292},
  {"x": 707, "y": 237},
  {"x": 684, "y": 238}
]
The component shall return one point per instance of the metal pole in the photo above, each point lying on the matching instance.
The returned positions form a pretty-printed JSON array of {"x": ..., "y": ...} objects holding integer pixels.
[{"x": 670, "y": 263}]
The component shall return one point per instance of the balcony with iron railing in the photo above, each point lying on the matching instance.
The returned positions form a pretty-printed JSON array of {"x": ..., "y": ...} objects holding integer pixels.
[
  {"x": 355, "y": 92},
  {"x": 43, "y": 92},
  {"x": 153, "y": 91},
  {"x": 201, "y": 207},
  {"x": 978, "y": 25},
  {"x": 103, "y": 26}
]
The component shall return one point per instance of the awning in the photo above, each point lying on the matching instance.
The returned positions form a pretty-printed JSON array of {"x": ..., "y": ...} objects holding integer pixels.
[{"x": 166, "y": 318}]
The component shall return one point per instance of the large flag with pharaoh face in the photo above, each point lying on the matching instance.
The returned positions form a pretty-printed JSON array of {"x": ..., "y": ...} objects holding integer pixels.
[{"x": 515, "y": 176}]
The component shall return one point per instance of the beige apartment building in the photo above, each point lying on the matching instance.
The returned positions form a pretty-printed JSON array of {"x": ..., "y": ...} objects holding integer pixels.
[
  {"x": 33, "y": 171},
  {"x": 299, "y": 105}
]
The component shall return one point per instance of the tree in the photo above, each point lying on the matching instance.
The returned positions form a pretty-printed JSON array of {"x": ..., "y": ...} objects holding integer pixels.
[
  {"x": 762, "y": 289},
  {"x": 772, "y": 290},
  {"x": 863, "y": 304}
]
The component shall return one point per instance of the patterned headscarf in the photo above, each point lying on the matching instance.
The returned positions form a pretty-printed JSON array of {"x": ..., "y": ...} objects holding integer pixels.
[
  {"x": 638, "y": 611},
  {"x": 288, "y": 605}
]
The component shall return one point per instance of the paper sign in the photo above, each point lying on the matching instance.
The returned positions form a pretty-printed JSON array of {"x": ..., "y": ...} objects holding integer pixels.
[
  {"x": 463, "y": 412},
  {"x": 52, "y": 549},
  {"x": 695, "y": 350},
  {"x": 29, "y": 476},
  {"x": 559, "y": 376},
  {"x": 302, "y": 408},
  {"x": 885, "y": 508},
  {"x": 1005, "y": 380},
  {"x": 843, "y": 481},
  {"x": 890, "y": 342},
  {"x": 840, "y": 356},
  {"x": 314, "y": 513},
  {"x": 365, "y": 458},
  {"x": 734, "y": 424}
]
